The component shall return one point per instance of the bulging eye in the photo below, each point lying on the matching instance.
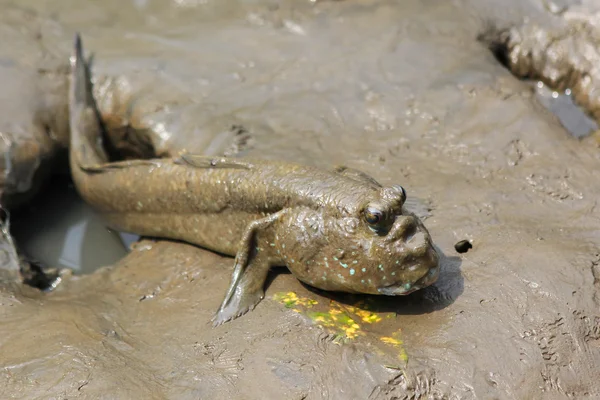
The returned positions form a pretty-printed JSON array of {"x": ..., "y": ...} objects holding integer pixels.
[
  {"x": 379, "y": 220},
  {"x": 373, "y": 216},
  {"x": 402, "y": 192}
]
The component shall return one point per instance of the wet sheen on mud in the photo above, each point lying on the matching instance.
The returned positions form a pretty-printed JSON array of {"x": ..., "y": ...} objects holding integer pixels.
[{"x": 570, "y": 115}]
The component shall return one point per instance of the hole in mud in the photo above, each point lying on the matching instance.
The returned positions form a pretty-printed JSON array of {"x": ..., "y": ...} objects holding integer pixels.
[
  {"x": 59, "y": 230},
  {"x": 3, "y": 215},
  {"x": 463, "y": 246}
]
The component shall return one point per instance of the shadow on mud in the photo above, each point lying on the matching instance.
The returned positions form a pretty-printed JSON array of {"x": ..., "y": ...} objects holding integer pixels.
[{"x": 449, "y": 286}]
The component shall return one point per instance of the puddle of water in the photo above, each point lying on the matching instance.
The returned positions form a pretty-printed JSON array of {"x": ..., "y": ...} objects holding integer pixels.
[
  {"x": 571, "y": 116},
  {"x": 60, "y": 230},
  {"x": 128, "y": 238}
]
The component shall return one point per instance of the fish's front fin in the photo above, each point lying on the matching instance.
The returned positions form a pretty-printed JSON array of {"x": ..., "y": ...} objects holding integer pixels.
[{"x": 200, "y": 161}]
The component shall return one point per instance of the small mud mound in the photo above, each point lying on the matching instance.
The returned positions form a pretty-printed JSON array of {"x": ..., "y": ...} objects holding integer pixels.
[{"x": 563, "y": 60}]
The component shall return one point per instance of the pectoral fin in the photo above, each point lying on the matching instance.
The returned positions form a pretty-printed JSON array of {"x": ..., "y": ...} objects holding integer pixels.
[{"x": 249, "y": 275}]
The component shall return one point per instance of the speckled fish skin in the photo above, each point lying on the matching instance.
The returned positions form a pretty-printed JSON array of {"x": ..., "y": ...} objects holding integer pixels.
[{"x": 265, "y": 213}]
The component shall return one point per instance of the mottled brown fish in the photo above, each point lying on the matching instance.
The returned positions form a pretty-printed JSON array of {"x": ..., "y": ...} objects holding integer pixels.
[{"x": 336, "y": 229}]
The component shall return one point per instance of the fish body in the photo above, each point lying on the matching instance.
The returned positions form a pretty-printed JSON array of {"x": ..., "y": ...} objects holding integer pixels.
[{"x": 337, "y": 230}]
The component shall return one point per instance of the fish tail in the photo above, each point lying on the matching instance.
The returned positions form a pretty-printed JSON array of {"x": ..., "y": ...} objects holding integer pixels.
[
  {"x": 86, "y": 124},
  {"x": 80, "y": 86}
]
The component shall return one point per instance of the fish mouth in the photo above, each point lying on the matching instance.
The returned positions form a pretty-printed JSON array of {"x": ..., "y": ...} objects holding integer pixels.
[{"x": 402, "y": 289}]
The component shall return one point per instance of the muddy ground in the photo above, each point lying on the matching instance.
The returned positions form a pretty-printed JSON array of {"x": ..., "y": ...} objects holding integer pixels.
[{"x": 402, "y": 90}]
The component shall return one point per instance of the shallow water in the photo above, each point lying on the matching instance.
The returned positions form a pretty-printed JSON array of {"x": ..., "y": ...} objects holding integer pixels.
[
  {"x": 61, "y": 231},
  {"x": 571, "y": 116}
]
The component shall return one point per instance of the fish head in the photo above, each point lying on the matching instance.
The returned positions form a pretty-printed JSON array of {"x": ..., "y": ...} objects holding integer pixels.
[{"x": 379, "y": 248}]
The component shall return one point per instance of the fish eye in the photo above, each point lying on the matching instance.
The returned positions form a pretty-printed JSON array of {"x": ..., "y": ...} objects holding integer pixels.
[
  {"x": 402, "y": 192},
  {"x": 373, "y": 216},
  {"x": 379, "y": 220}
]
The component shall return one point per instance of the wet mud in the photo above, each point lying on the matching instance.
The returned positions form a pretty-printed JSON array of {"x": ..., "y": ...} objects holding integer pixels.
[
  {"x": 560, "y": 52},
  {"x": 404, "y": 91}
]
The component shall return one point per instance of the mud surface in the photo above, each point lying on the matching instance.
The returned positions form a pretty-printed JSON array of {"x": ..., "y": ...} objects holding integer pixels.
[
  {"x": 560, "y": 51},
  {"x": 401, "y": 90}
]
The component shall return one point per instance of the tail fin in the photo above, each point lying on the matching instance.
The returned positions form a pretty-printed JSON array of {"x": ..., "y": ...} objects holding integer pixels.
[{"x": 87, "y": 129}]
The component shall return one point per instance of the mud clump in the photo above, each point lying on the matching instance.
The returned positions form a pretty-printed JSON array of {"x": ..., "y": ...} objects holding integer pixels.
[
  {"x": 563, "y": 57},
  {"x": 463, "y": 246}
]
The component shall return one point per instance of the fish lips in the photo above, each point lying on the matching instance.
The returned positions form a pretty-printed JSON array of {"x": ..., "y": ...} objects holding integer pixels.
[{"x": 402, "y": 289}]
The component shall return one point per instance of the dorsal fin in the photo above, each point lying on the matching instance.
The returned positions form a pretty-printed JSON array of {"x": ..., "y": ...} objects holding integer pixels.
[
  {"x": 111, "y": 166},
  {"x": 200, "y": 161}
]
